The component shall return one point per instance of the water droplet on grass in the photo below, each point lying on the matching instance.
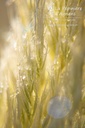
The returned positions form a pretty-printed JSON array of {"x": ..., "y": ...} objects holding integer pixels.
[{"x": 59, "y": 107}]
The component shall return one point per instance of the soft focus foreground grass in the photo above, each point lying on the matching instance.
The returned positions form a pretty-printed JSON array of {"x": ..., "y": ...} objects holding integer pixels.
[{"x": 48, "y": 61}]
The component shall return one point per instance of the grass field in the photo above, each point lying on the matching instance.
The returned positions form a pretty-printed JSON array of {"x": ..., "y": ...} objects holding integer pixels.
[{"x": 43, "y": 59}]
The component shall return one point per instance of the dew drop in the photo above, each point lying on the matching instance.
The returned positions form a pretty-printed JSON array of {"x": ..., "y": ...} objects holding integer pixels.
[{"x": 59, "y": 107}]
